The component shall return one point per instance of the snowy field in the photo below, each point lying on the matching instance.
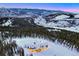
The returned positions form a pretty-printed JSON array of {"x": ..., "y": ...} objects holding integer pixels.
[{"x": 54, "y": 48}]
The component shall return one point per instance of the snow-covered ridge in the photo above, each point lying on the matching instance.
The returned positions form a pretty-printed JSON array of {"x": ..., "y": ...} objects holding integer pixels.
[
  {"x": 60, "y": 17},
  {"x": 45, "y": 18},
  {"x": 66, "y": 24}
]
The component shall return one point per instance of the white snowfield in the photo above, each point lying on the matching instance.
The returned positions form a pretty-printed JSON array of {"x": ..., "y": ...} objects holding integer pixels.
[
  {"x": 54, "y": 49},
  {"x": 40, "y": 21},
  {"x": 8, "y": 23},
  {"x": 76, "y": 16},
  {"x": 73, "y": 29},
  {"x": 62, "y": 23},
  {"x": 61, "y": 17}
]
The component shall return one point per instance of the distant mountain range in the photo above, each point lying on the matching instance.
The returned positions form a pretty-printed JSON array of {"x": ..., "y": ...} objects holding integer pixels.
[{"x": 38, "y": 17}]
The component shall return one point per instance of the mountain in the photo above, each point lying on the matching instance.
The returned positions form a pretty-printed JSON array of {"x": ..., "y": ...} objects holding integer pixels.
[{"x": 38, "y": 17}]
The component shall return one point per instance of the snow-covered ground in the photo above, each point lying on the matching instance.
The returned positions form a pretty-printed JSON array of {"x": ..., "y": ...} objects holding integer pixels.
[
  {"x": 76, "y": 16},
  {"x": 73, "y": 29},
  {"x": 54, "y": 30},
  {"x": 60, "y": 24},
  {"x": 8, "y": 23},
  {"x": 54, "y": 48},
  {"x": 60, "y": 17}
]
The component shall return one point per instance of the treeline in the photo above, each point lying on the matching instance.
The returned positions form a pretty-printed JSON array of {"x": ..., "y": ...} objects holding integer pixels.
[{"x": 71, "y": 39}]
